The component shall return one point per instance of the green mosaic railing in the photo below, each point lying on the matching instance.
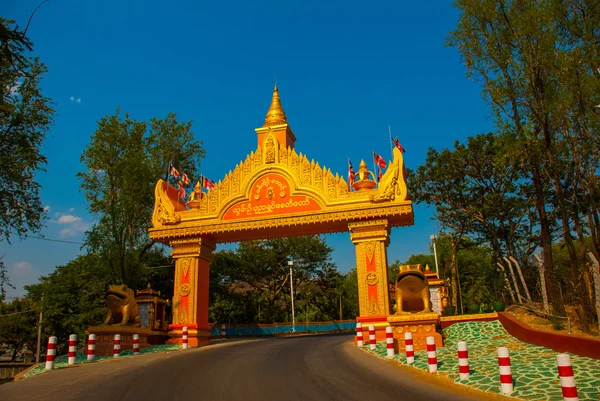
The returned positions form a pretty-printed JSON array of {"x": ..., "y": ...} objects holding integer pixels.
[{"x": 534, "y": 370}]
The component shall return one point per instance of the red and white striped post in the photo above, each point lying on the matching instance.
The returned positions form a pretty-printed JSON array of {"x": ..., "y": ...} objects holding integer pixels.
[
  {"x": 410, "y": 349},
  {"x": 372, "y": 341},
  {"x": 72, "y": 355},
  {"x": 506, "y": 381},
  {"x": 51, "y": 353},
  {"x": 184, "y": 338},
  {"x": 91, "y": 347},
  {"x": 567, "y": 379},
  {"x": 136, "y": 344},
  {"x": 389, "y": 341},
  {"x": 117, "y": 346},
  {"x": 431, "y": 354},
  {"x": 359, "y": 335},
  {"x": 463, "y": 361},
  {"x": 223, "y": 330}
]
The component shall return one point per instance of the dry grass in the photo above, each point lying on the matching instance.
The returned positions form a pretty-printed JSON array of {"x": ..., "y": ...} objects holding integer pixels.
[{"x": 544, "y": 324}]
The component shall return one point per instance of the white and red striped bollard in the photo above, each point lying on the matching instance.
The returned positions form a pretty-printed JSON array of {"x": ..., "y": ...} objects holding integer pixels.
[
  {"x": 410, "y": 349},
  {"x": 372, "y": 341},
  {"x": 117, "y": 346},
  {"x": 184, "y": 337},
  {"x": 359, "y": 335},
  {"x": 72, "y": 355},
  {"x": 136, "y": 344},
  {"x": 91, "y": 348},
  {"x": 51, "y": 353},
  {"x": 389, "y": 340},
  {"x": 431, "y": 355},
  {"x": 223, "y": 330},
  {"x": 506, "y": 381},
  {"x": 567, "y": 378},
  {"x": 463, "y": 361}
]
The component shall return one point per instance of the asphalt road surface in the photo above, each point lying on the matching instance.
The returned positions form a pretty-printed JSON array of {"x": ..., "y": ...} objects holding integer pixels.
[{"x": 298, "y": 368}]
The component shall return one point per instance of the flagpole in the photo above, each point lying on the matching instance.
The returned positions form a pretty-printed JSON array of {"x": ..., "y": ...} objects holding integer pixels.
[
  {"x": 374, "y": 168},
  {"x": 168, "y": 172},
  {"x": 391, "y": 146}
]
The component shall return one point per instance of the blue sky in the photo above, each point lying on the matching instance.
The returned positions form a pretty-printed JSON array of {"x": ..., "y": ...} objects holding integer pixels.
[{"x": 345, "y": 71}]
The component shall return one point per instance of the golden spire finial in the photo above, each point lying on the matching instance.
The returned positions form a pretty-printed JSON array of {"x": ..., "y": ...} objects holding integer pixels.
[{"x": 275, "y": 115}]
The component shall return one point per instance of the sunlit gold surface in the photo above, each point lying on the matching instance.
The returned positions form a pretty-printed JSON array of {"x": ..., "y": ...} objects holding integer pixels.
[
  {"x": 278, "y": 192},
  {"x": 122, "y": 308},
  {"x": 275, "y": 115}
]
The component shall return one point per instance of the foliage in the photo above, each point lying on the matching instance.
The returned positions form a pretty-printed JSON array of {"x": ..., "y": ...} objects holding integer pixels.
[
  {"x": 25, "y": 117},
  {"x": 18, "y": 326},
  {"x": 72, "y": 297},
  {"x": 536, "y": 62},
  {"x": 124, "y": 160},
  {"x": 4, "y": 281}
]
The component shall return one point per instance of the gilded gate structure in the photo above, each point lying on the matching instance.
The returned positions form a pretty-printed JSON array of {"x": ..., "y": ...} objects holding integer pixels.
[{"x": 278, "y": 192}]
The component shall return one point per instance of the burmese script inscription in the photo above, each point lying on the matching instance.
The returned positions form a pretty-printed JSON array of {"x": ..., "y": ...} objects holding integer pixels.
[{"x": 271, "y": 195}]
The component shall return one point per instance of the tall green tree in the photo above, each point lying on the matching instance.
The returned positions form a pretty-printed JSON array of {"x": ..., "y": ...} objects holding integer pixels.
[
  {"x": 537, "y": 64},
  {"x": 26, "y": 115},
  {"x": 124, "y": 160}
]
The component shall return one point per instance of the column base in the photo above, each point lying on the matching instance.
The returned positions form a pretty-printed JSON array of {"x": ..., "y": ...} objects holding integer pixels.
[
  {"x": 380, "y": 323},
  {"x": 196, "y": 338}
]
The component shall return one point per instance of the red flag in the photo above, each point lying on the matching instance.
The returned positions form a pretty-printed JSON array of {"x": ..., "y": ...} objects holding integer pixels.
[
  {"x": 379, "y": 176},
  {"x": 185, "y": 179},
  {"x": 181, "y": 191},
  {"x": 397, "y": 143},
  {"x": 379, "y": 160},
  {"x": 351, "y": 174},
  {"x": 174, "y": 171},
  {"x": 208, "y": 184}
]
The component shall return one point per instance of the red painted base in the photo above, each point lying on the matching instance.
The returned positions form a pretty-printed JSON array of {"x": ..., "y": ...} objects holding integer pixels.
[{"x": 196, "y": 338}]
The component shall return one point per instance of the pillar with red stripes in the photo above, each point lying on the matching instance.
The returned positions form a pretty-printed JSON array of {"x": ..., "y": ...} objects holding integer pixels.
[
  {"x": 506, "y": 381},
  {"x": 463, "y": 360},
  {"x": 431, "y": 355},
  {"x": 223, "y": 330},
  {"x": 372, "y": 341},
  {"x": 359, "y": 334},
  {"x": 136, "y": 344},
  {"x": 389, "y": 341},
  {"x": 410, "y": 349},
  {"x": 91, "y": 347},
  {"x": 117, "y": 346},
  {"x": 184, "y": 337},
  {"x": 51, "y": 353},
  {"x": 72, "y": 355},
  {"x": 567, "y": 378}
]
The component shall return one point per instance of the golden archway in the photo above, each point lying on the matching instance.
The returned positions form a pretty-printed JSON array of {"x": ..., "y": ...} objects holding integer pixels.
[{"x": 277, "y": 192}]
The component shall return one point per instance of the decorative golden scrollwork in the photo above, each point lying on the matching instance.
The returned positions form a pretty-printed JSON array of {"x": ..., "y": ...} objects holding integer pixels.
[
  {"x": 184, "y": 290},
  {"x": 185, "y": 265},
  {"x": 270, "y": 151},
  {"x": 372, "y": 278}
]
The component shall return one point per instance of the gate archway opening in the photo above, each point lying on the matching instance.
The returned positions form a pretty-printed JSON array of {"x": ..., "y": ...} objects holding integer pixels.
[{"x": 277, "y": 192}]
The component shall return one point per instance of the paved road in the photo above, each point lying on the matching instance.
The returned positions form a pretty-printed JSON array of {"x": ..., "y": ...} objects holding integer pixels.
[{"x": 299, "y": 368}]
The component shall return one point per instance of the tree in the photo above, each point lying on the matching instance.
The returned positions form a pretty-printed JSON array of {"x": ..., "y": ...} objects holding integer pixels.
[
  {"x": 73, "y": 297},
  {"x": 124, "y": 160},
  {"x": 18, "y": 323},
  {"x": 537, "y": 64},
  {"x": 26, "y": 115}
]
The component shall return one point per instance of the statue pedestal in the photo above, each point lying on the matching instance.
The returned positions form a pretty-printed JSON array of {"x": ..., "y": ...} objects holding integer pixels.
[
  {"x": 105, "y": 337},
  {"x": 421, "y": 325}
]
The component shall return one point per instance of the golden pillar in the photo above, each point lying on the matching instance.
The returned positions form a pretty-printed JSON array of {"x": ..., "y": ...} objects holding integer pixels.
[
  {"x": 371, "y": 239},
  {"x": 190, "y": 296}
]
